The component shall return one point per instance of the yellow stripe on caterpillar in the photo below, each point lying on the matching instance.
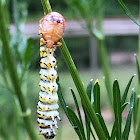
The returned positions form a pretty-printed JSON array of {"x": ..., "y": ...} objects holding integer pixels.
[
  {"x": 42, "y": 65},
  {"x": 41, "y": 98},
  {"x": 41, "y": 133},
  {"x": 44, "y": 78},
  {"x": 48, "y": 77},
  {"x": 47, "y": 51},
  {"x": 49, "y": 65},
  {"x": 39, "y": 108},
  {"x": 41, "y": 53},
  {"x": 42, "y": 88},
  {"x": 47, "y": 89},
  {"x": 48, "y": 99},
  {"x": 41, "y": 35},
  {"x": 42, "y": 109},
  {"x": 41, "y": 43},
  {"x": 40, "y": 124},
  {"x": 47, "y": 107},
  {"x": 46, "y": 66}
]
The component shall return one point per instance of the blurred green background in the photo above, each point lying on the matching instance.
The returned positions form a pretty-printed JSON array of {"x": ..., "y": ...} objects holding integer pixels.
[
  {"x": 112, "y": 8},
  {"x": 114, "y": 44}
]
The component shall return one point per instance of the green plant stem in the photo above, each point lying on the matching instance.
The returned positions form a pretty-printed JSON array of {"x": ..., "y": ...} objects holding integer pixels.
[
  {"x": 16, "y": 16},
  {"x": 17, "y": 121},
  {"x": 137, "y": 136},
  {"x": 138, "y": 90},
  {"x": 102, "y": 51},
  {"x": 105, "y": 65},
  {"x": 14, "y": 76},
  {"x": 99, "y": 35},
  {"x": 139, "y": 36},
  {"x": 139, "y": 60},
  {"x": 46, "y": 6},
  {"x": 79, "y": 85},
  {"x": 138, "y": 128},
  {"x": 139, "y": 54}
]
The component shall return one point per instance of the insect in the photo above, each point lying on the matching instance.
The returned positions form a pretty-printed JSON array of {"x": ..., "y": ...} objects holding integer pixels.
[{"x": 51, "y": 29}]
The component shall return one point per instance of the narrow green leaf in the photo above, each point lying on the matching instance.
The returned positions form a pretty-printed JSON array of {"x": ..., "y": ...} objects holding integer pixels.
[
  {"x": 88, "y": 128},
  {"x": 78, "y": 110},
  {"x": 137, "y": 136},
  {"x": 136, "y": 108},
  {"x": 135, "y": 111},
  {"x": 65, "y": 108},
  {"x": 117, "y": 108},
  {"x": 16, "y": 52},
  {"x": 62, "y": 101},
  {"x": 96, "y": 93},
  {"x": 126, "y": 90},
  {"x": 123, "y": 106},
  {"x": 28, "y": 50},
  {"x": 89, "y": 89},
  {"x": 87, "y": 119},
  {"x": 102, "y": 122},
  {"x": 76, "y": 104},
  {"x": 2, "y": 60},
  {"x": 92, "y": 134},
  {"x": 106, "y": 70},
  {"x": 138, "y": 69},
  {"x": 126, "y": 131},
  {"x": 4, "y": 134},
  {"x": 132, "y": 99},
  {"x": 126, "y": 10},
  {"x": 76, "y": 124},
  {"x": 113, "y": 132}
]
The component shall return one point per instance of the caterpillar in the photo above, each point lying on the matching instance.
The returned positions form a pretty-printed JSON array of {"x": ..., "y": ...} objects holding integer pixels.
[{"x": 51, "y": 28}]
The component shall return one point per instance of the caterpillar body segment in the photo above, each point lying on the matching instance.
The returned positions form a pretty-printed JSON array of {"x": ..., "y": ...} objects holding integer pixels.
[
  {"x": 47, "y": 107},
  {"x": 48, "y": 133},
  {"x": 51, "y": 29},
  {"x": 48, "y": 98},
  {"x": 47, "y": 123},
  {"x": 48, "y": 76},
  {"x": 48, "y": 115}
]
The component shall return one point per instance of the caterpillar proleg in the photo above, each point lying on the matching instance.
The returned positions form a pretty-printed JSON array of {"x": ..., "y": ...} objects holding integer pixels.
[{"x": 51, "y": 29}]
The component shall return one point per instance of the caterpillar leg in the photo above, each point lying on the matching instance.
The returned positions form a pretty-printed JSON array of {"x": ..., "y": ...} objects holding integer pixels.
[
  {"x": 42, "y": 19},
  {"x": 58, "y": 44}
]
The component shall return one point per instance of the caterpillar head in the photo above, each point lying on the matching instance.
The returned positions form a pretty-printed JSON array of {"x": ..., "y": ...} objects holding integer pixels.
[
  {"x": 52, "y": 27},
  {"x": 55, "y": 18}
]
